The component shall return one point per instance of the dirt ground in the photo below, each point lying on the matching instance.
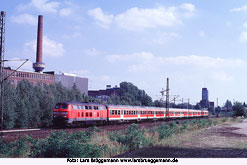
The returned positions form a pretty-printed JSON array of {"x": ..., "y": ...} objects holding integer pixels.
[{"x": 225, "y": 141}]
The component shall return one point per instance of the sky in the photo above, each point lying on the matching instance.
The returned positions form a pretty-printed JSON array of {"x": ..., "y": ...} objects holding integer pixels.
[{"x": 194, "y": 43}]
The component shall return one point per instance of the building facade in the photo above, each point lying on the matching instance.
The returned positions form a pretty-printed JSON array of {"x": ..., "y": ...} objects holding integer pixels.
[
  {"x": 33, "y": 77},
  {"x": 105, "y": 93},
  {"x": 68, "y": 80},
  {"x": 204, "y": 94}
]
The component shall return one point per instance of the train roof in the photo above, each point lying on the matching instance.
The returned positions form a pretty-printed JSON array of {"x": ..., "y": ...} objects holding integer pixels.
[
  {"x": 145, "y": 107},
  {"x": 125, "y": 106},
  {"x": 77, "y": 102}
]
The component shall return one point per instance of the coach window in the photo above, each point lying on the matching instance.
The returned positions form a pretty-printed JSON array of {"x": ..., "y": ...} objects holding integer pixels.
[
  {"x": 118, "y": 112},
  {"x": 124, "y": 112},
  {"x": 115, "y": 112},
  {"x": 86, "y": 107},
  {"x": 112, "y": 112},
  {"x": 121, "y": 112},
  {"x": 127, "y": 112},
  {"x": 89, "y": 107}
]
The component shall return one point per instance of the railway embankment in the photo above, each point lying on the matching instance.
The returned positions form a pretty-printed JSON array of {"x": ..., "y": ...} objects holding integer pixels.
[
  {"x": 209, "y": 137},
  {"x": 228, "y": 140}
]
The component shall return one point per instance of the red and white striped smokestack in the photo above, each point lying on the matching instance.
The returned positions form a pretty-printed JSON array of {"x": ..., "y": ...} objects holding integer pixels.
[{"x": 39, "y": 65}]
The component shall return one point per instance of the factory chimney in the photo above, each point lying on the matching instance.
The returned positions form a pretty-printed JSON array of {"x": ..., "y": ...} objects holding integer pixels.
[{"x": 39, "y": 66}]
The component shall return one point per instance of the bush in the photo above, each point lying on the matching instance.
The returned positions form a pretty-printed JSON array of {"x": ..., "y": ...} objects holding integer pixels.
[
  {"x": 61, "y": 145},
  {"x": 21, "y": 147},
  {"x": 239, "y": 109},
  {"x": 173, "y": 127},
  {"x": 184, "y": 126},
  {"x": 4, "y": 148},
  {"x": 133, "y": 138},
  {"x": 164, "y": 131}
]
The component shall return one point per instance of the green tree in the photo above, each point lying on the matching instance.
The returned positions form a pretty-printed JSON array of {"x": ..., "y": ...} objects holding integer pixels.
[
  {"x": 217, "y": 110},
  {"x": 131, "y": 95},
  {"x": 23, "y": 105},
  {"x": 158, "y": 103},
  {"x": 228, "y": 104},
  {"x": 9, "y": 114},
  {"x": 198, "y": 106},
  {"x": 239, "y": 109},
  {"x": 75, "y": 94}
]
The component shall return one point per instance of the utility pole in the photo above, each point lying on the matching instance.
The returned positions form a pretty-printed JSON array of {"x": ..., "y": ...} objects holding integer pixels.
[
  {"x": 162, "y": 95},
  {"x": 183, "y": 103},
  {"x": 2, "y": 39},
  {"x": 167, "y": 97},
  {"x": 188, "y": 107}
]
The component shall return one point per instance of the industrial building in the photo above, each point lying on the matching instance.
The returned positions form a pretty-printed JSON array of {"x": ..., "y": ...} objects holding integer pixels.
[
  {"x": 41, "y": 77},
  {"x": 68, "y": 80},
  {"x": 104, "y": 94}
]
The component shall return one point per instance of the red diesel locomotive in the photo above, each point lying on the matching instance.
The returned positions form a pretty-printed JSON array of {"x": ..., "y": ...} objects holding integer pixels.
[{"x": 70, "y": 113}]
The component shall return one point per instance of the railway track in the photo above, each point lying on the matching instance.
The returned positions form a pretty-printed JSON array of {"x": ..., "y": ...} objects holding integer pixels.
[{"x": 12, "y": 135}]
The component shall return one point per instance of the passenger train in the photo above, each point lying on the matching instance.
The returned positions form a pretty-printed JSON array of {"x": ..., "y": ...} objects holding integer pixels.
[{"x": 72, "y": 113}]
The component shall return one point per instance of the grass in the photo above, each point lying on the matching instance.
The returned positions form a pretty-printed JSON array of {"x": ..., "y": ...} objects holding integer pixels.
[{"x": 99, "y": 143}]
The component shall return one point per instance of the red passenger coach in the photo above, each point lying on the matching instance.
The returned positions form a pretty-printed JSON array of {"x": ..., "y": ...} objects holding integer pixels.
[
  {"x": 68, "y": 113},
  {"x": 79, "y": 113}
]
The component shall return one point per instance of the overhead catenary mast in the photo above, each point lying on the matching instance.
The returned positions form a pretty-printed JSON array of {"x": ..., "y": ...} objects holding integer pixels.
[
  {"x": 167, "y": 97},
  {"x": 2, "y": 39}
]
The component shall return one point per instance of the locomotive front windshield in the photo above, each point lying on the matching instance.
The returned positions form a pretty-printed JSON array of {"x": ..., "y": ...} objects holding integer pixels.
[{"x": 61, "y": 106}]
